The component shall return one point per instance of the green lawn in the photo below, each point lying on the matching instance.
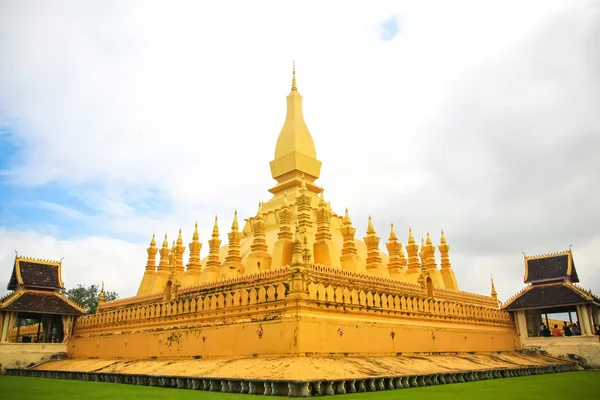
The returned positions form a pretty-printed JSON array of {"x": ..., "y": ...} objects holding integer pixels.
[{"x": 573, "y": 385}]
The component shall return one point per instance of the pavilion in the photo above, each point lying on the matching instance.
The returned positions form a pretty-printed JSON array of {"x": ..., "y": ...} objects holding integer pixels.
[
  {"x": 36, "y": 297},
  {"x": 552, "y": 289}
]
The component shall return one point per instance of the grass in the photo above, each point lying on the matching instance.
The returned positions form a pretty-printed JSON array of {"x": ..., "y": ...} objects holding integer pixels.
[{"x": 573, "y": 385}]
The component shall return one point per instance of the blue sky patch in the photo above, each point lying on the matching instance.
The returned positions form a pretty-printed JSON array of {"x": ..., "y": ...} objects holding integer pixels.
[{"x": 389, "y": 29}]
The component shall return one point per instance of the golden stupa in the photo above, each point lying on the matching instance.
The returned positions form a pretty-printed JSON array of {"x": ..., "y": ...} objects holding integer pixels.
[{"x": 296, "y": 304}]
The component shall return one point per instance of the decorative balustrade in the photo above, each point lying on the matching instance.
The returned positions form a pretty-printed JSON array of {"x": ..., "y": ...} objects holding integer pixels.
[
  {"x": 28, "y": 330},
  {"x": 186, "y": 306},
  {"x": 365, "y": 293},
  {"x": 207, "y": 287},
  {"x": 405, "y": 304},
  {"x": 407, "y": 288}
]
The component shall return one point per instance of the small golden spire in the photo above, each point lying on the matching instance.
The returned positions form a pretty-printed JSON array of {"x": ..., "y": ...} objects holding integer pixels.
[
  {"x": 235, "y": 226},
  {"x": 152, "y": 250},
  {"x": 443, "y": 238},
  {"x": 411, "y": 238},
  {"x": 428, "y": 239},
  {"x": 346, "y": 220},
  {"x": 101, "y": 297},
  {"x": 370, "y": 228},
  {"x": 494, "y": 293},
  {"x": 393, "y": 233},
  {"x": 179, "y": 238},
  {"x": 195, "y": 246},
  {"x": 294, "y": 87},
  {"x": 216, "y": 227},
  {"x": 165, "y": 242},
  {"x": 259, "y": 214},
  {"x": 195, "y": 235}
]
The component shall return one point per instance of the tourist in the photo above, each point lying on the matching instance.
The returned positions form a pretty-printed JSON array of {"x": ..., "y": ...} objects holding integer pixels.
[
  {"x": 556, "y": 331},
  {"x": 567, "y": 330},
  {"x": 546, "y": 332},
  {"x": 542, "y": 329},
  {"x": 575, "y": 329}
]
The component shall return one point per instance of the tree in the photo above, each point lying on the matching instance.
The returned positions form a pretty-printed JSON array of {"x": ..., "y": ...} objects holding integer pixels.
[{"x": 87, "y": 297}]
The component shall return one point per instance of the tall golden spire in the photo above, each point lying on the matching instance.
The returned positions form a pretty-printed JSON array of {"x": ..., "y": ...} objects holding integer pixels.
[
  {"x": 152, "y": 250},
  {"x": 444, "y": 249},
  {"x": 297, "y": 249},
  {"x": 163, "y": 265},
  {"x": 259, "y": 243},
  {"x": 348, "y": 231},
  {"x": 233, "y": 262},
  {"x": 214, "y": 244},
  {"x": 195, "y": 246},
  {"x": 412, "y": 250},
  {"x": 429, "y": 254},
  {"x": 101, "y": 297},
  {"x": 397, "y": 261},
  {"x": 323, "y": 220},
  {"x": 285, "y": 220},
  {"x": 173, "y": 257},
  {"x": 372, "y": 242},
  {"x": 179, "y": 250},
  {"x": 494, "y": 294},
  {"x": 295, "y": 152}
]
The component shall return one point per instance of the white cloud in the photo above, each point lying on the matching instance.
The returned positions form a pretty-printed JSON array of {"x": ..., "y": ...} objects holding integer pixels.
[{"x": 179, "y": 103}]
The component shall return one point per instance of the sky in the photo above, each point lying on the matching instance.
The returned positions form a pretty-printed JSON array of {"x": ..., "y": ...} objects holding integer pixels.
[{"x": 123, "y": 118}]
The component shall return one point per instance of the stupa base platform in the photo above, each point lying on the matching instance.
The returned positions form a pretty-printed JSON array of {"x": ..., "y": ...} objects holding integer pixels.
[{"x": 303, "y": 376}]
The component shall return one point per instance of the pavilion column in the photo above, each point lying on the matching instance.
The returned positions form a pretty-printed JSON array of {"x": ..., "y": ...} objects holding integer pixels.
[
  {"x": 2, "y": 318},
  {"x": 589, "y": 308},
  {"x": 521, "y": 322},
  {"x": 583, "y": 315},
  {"x": 9, "y": 321}
]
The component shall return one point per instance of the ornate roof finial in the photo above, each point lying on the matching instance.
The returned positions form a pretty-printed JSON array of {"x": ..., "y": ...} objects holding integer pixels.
[
  {"x": 153, "y": 241},
  {"x": 165, "y": 242},
  {"x": 193, "y": 265},
  {"x": 195, "y": 235},
  {"x": 259, "y": 214},
  {"x": 393, "y": 233},
  {"x": 428, "y": 239},
  {"x": 179, "y": 238},
  {"x": 494, "y": 294},
  {"x": 346, "y": 220},
  {"x": 370, "y": 228},
  {"x": 101, "y": 297},
  {"x": 294, "y": 87},
  {"x": 235, "y": 226},
  {"x": 411, "y": 238},
  {"x": 216, "y": 227},
  {"x": 443, "y": 238}
]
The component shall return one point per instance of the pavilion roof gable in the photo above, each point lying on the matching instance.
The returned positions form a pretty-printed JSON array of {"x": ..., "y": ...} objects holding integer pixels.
[
  {"x": 549, "y": 295},
  {"x": 32, "y": 273},
  {"x": 550, "y": 268},
  {"x": 41, "y": 302}
]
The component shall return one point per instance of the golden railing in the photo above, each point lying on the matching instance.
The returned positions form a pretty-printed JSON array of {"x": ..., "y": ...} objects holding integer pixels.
[{"x": 324, "y": 288}]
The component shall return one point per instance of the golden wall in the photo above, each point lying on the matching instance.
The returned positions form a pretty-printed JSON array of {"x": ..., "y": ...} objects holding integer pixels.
[{"x": 296, "y": 311}]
